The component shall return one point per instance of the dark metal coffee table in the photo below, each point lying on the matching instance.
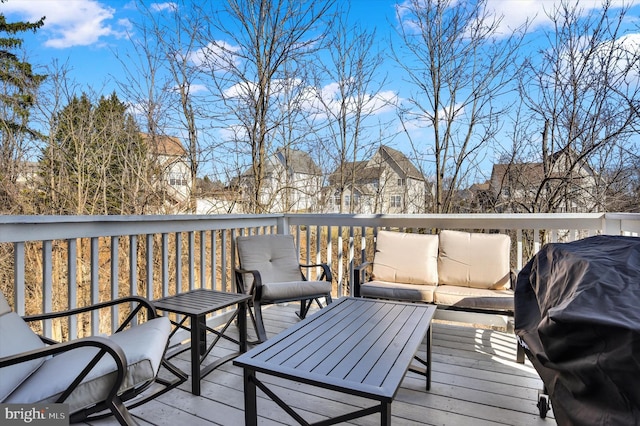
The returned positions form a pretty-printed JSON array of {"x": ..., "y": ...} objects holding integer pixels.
[
  {"x": 195, "y": 305},
  {"x": 357, "y": 346}
]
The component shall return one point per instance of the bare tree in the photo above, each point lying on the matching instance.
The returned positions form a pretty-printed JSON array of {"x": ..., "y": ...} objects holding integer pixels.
[
  {"x": 347, "y": 89},
  {"x": 459, "y": 65},
  {"x": 582, "y": 92},
  {"x": 251, "y": 47},
  {"x": 164, "y": 79}
]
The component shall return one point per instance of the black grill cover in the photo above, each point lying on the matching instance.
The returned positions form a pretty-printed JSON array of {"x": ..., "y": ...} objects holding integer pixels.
[{"x": 577, "y": 309}]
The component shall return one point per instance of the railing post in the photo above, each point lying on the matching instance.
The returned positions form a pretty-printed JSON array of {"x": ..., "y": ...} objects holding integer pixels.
[
  {"x": 18, "y": 278},
  {"x": 282, "y": 225},
  {"x": 611, "y": 226}
]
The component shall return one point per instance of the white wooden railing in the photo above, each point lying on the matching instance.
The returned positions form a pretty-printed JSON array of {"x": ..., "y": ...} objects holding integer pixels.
[{"x": 56, "y": 262}]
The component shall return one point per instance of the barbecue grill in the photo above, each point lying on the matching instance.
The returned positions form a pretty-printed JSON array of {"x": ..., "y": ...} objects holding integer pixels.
[{"x": 577, "y": 315}]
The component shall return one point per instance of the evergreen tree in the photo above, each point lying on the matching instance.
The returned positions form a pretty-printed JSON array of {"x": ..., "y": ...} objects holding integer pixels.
[
  {"x": 97, "y": 162},
  {"x": 19, "y": 84}
]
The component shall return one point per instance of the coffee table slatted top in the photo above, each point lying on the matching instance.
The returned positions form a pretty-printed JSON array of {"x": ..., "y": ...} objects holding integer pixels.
[{"x": 359, "y": 346}]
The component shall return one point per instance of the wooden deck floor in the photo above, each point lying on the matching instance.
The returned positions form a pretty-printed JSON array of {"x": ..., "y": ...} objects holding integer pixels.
[{"x": 475, "y": 382}]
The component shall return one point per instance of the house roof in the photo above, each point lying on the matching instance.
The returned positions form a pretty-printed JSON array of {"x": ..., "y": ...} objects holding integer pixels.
[
  {"x": 166, "y": 145},
  {"x": 297, "y": 161},
  {"x": 294, "y": 160},
  {"x": 362, "y": 172},
  {"x": 401, "y": 161}
]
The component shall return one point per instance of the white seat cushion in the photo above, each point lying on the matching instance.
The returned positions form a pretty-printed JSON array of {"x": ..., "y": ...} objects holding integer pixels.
[
  {"x": 294, "y": 290},
  {"x": 474, "y": 298},
  {"x": 143, "y": 345},
  {"x": 406, "y": 258},
  {"x": 398, "y": 291}
]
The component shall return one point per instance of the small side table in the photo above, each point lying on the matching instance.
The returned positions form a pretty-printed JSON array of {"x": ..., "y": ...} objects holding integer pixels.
[{"x": 195, "y": 305}]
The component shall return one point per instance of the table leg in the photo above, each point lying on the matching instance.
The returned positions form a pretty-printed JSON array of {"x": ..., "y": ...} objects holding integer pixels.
[
  {"x": 385, "y": 414},
  {"x": 250, "y": 406},
  {"x": 429, "y": 359},
  {"x": 196, "y": 334},
  {"x": 242, "y": 325}
]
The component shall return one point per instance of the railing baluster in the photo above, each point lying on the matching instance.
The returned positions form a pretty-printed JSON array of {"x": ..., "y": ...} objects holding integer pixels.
[
  {"x": 149, "y": 266},
  {"x": 133, "y": 265},
  {"x": 47, "y": 285},
  {"x": 178, "y": 262},
  {"x": 19, "y": 290},
  {"x": 191, "y": 256},
  {"x": 164, "y": 255},
  {"x": 203, "y": 260},
  {"x": 72, "y": 285},
  {"x": 115, "y": 241},
  {"x": 95, "y": 284}
]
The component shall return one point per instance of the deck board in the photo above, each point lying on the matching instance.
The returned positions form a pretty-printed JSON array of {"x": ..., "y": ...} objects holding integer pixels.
[{"x": 475, "y": 381}]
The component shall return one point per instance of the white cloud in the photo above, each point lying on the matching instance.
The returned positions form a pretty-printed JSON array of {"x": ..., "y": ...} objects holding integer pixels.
[
  {"x": 68, "y": 22},
  {"x": 159, "y": 7},
  {"x": 218, "y": 56},
  {"x": 515, "y": 13}
]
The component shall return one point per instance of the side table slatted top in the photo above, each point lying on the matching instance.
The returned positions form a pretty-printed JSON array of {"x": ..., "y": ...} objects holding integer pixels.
[
  {"x": 198, "y": 302},
  {"x": 359, "y": 346}
]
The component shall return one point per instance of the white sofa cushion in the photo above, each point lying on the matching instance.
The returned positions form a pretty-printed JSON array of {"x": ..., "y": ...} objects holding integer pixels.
[
  {"x": 474, "y": 298},
  {"x": 406, "y": 258},
  {"x": 474, "y": 260},
  {"x": 398, "y": 291},
  {"x": 15, "y": 337},
  {"x": 143, "y": 345}
]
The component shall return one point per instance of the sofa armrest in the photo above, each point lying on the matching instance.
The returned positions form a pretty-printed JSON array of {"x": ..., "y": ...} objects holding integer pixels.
[
  {"x": 360, "y": 276},
  {"x": 326, "y": 271}
]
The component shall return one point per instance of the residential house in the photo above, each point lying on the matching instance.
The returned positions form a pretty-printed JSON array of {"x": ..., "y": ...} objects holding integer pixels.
[
  {"x": 568, "y": 186},
  {"x": 387, "y": 183},
  {"x": 171, "y": 157},
  {"x": 291, "y": 183}
]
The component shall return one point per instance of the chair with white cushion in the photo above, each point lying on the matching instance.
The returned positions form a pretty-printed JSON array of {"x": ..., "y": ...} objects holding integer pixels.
[
  {"x": 90, "y": 374},
  {"x": 271, "y": 273}
]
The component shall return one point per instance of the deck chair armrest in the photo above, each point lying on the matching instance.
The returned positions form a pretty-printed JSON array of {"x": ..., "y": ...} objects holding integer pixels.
[
  {"x": 360, "y": 276},
  {"x": 106, "y": 347},
  {"x": 139, "y": 303},
  {"x": 256, "y": 286},
  {"x": 326, "y": 270}
]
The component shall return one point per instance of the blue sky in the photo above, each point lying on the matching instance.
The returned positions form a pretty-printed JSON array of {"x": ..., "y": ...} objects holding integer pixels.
[{"x": 88, "y": 33}]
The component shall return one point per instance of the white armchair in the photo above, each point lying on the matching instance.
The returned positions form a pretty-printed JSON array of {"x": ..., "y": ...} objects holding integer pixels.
[{"x": 91, "y": 374}]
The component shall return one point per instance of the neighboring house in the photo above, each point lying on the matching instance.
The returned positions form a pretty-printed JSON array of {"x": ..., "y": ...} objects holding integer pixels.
[
  {"x": 174, "y": 169},
  {"x": 524, "y": 187},
  {"x": 387, "y": 183},
  {"x": 292, "y": 182}
]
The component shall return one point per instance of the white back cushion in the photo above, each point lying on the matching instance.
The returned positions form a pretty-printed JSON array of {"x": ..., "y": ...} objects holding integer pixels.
[
  {"x": 15, "y": 337},
  {"x": 274, "y": 256},
  {"x": 474, "y": 260},
  {"x": 406, "y": 258}
]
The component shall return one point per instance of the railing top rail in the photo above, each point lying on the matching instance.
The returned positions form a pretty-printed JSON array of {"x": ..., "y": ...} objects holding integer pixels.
[{"x": 41, "y": 228}]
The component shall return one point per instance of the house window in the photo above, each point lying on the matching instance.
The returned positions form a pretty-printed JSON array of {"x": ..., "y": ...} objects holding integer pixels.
[
  {"x": 336, "y": 199},
  {"x": 356, "y": 199},
  {"x": 347, "y": 200},
  {"x": 402, "y": 182},
  {"x": 396, "y": 201},
  {"x": 177, "y": 179}
]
